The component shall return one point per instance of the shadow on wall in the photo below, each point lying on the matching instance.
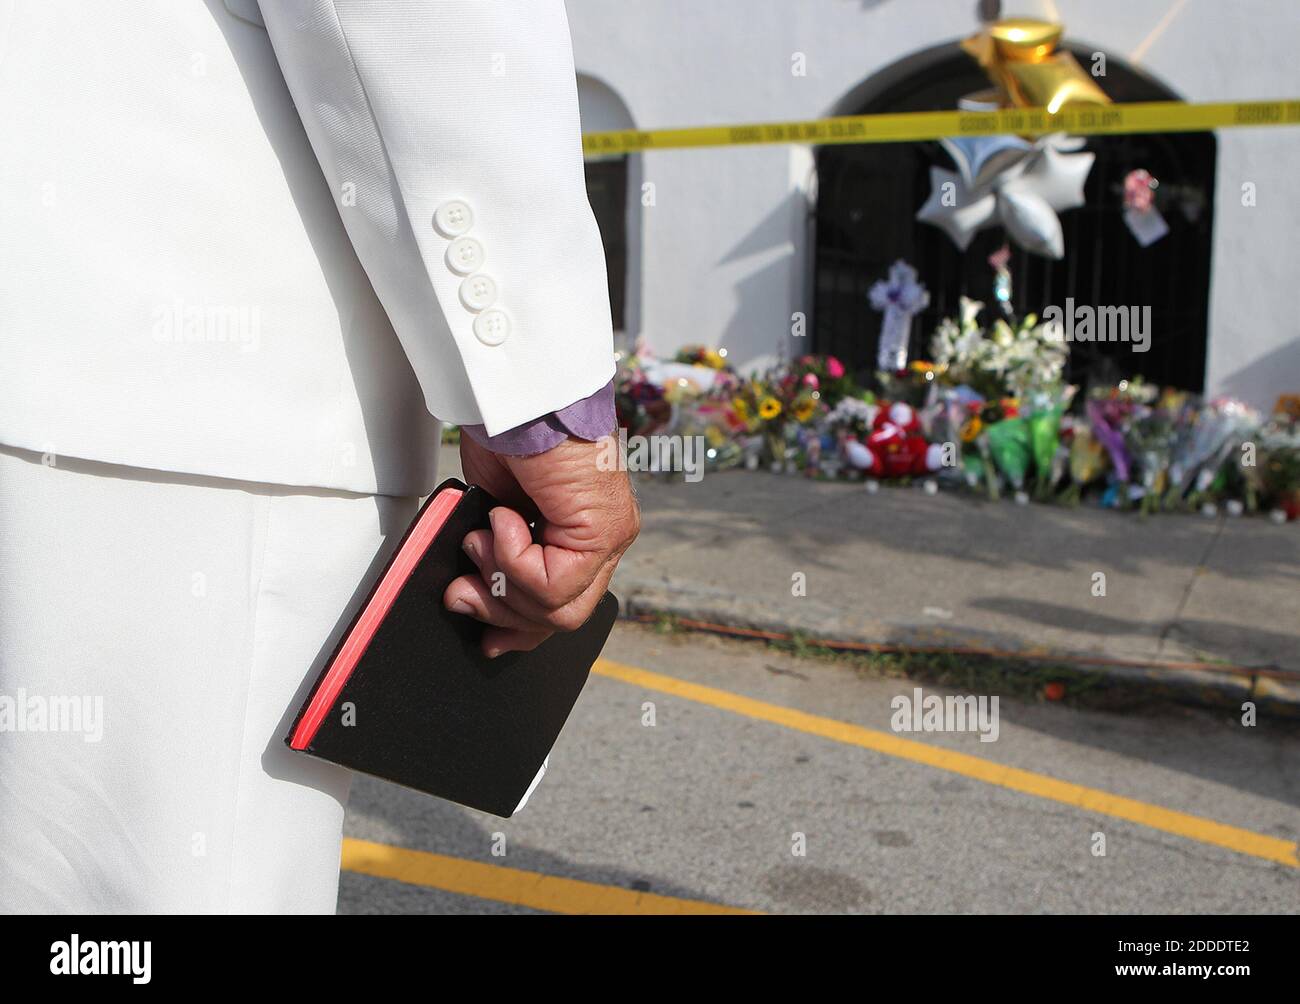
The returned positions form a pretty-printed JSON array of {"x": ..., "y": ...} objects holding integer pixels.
[
  {"x": 1260, "y": 382},
  {"x": 755, "y": 335}
]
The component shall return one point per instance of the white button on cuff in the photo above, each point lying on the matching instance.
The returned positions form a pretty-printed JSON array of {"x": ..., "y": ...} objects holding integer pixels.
[
  {"x": 491, "y": 327},
  {"x": 453, "y": 218},
  {"x": 465, "y": 255},
  {"x": 478, "y": 292}
]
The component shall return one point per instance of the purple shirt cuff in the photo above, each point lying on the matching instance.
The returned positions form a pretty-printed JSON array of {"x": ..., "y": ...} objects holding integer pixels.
[{"x": 588, "y": 419}]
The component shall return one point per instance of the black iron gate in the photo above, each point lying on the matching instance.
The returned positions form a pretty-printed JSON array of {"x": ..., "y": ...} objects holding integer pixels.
[{"x": 868, "y": 196}]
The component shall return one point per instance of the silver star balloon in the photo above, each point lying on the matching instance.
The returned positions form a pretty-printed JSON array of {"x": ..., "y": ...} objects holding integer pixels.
[
  {"x": 981, "y": 159},
  {"x": 1024, "y": 194},
  {"x": 1055, "y": 177},
  {"x": 1029, "y": 201},
  {"x": 957, "y": 208}
]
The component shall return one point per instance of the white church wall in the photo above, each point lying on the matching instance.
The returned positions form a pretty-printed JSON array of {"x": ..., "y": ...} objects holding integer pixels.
[{"x": 725, "y": 254}]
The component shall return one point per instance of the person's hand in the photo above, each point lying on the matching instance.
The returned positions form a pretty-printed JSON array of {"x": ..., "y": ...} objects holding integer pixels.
[{"x": 589, "y": 517}]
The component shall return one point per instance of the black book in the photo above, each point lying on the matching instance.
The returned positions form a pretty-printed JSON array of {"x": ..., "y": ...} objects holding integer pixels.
[{"x": 408, "y": 695}]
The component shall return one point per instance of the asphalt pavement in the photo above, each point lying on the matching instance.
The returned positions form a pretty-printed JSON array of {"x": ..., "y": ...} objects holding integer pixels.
[
  {"x": 699, "y": 774},
  {"x": 957, "y": 570}
]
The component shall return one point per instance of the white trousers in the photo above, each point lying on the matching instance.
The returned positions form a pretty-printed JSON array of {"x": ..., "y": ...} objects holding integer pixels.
[{"x": 157, "y": 634}]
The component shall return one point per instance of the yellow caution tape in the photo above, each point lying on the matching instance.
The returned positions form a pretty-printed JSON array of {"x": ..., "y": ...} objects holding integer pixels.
[{"x": 1155, "y": 116}]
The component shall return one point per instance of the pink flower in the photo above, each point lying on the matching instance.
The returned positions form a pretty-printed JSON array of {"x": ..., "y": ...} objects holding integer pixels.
[
  {"x": 834, "y": 367},
  {"x": 810, "y": 380},
  {"x": 1139, "y": 191}
]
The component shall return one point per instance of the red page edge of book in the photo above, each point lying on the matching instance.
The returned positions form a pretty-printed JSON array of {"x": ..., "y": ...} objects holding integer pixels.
[{"x": 363, "y": 631}]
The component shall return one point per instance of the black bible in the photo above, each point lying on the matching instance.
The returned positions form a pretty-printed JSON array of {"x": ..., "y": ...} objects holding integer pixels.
[{"x": 409, "y": 697}]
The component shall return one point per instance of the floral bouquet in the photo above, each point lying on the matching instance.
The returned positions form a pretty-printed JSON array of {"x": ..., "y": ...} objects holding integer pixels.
[
  {"x": 1002, "y": 361},
  {"x": 1008, "y": 444},
  {"x": 775, "y": 405},
  {"x": 1274, "y": 478},
  {"x": 1000, "y": 436},
  {"x": 852, "y": 416},
  {"x": 715, "y": 421},
  {"x": 1110, "y": 411},
  {"x": 638, "y": 401},
  {"x": 1087, "y": 462},
  {"x": 825, "y": 376},
  {"x": 1149, "y": 439},
  {"x": 1044, "y": 414},
  {"x": 973, "y": 446},
  {"x": 1206, "y": 438},
  {"x": 951, "y": 419},
  {"x": 701, "y": 355},
  {"x": 913, "y": 385}
]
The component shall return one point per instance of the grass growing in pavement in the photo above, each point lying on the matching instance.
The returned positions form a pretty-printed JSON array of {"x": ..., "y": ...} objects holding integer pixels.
[
  {"x": 1026, "y": 680},
  {"x": 1023, "y": 679}
]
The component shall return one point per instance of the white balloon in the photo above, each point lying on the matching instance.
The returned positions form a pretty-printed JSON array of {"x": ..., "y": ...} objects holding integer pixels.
[
  {"x": 1032, "y": 223},
  {"x": 1024, "y": 193},
  {"x": 969, "y": 212},
  {"x": 1061, "y": 141},
  {"x": 1056, "y": 178},
  {"x": 981, "y": 160}
]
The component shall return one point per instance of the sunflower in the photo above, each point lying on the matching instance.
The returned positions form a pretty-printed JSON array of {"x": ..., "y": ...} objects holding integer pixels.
[
  {"x": 971, "y": 428},
  {"x": 804, "y": 409},
  {"x": 741, "y": 409},
  {"x": 769, "y": 408}
]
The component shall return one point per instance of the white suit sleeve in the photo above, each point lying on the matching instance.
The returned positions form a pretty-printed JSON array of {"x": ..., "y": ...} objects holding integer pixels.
[{"x": 448, "y": 131}]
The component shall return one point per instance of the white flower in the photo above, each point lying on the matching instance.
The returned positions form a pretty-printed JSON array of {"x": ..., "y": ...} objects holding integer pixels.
[{"x": 849, "y": 411}]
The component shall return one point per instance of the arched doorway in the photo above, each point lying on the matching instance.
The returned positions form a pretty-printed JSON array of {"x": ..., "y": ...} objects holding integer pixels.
[
  {"x": 868, "y": 195},
  {"x": 610, "y": 182}
]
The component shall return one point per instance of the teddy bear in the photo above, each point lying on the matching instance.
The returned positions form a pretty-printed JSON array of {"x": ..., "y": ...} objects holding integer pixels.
[{"x": 895, "y": 447}]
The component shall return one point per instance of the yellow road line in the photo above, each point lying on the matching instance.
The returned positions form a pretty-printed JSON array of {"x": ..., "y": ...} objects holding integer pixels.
[
  {"x": 512, "y": 885},
  {"x": 1182, "y": 824},
  {"x": 1152, "y": 116}
]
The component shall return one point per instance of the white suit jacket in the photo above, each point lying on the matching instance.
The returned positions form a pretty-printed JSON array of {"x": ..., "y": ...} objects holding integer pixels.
[{"x": 272, "y": 245}]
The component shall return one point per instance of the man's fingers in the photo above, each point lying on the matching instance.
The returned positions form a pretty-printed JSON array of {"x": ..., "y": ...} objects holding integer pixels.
[
  {"x": 507, "y": 630},
  {"x": 567, "y": 617},
  {"x": 573, "y": 615},
  {"x": 499, "y": 640},
  {"x": 478, "y": 545},
  {"x": 471, "y": 596},
  {"x": 562, "y": 618},
  {"x": 551, "y": 576}
]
